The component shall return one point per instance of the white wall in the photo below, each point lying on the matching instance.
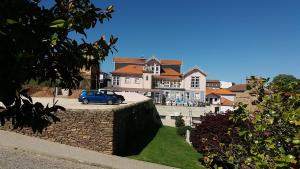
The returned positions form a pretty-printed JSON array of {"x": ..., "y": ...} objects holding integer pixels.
[
  {"x": 147, "y": 84},
  {"x": 213, "y": 97},
  {"x": 131, "y": 83},
  {"x": 225, "y": 85},
  {"x": 186, "y": 112},
  {"x": 187, "y": 82},
  {"x": 229, "y": 97},
  {"x": 225, "y": 108}
]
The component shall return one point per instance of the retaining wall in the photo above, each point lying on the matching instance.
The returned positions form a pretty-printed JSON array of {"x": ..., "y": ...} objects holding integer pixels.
[{"x": 124, "y": 130}]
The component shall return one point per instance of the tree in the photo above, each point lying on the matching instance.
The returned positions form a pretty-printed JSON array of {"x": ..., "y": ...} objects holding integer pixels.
[
  {"x": 35, "y": 44},
  {"x": 286, "y": 83}
]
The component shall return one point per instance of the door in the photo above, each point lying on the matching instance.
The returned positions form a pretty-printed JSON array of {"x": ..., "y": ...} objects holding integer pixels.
[{"x": 100, "y": 97}]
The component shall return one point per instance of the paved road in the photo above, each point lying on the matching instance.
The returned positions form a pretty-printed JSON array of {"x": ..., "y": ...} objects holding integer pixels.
[
  {"x": 17, "y": 159},
  {"x": 11, "y": 158}
]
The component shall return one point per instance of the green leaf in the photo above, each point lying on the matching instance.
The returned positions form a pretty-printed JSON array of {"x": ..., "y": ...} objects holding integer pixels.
[
  {"x": 60, "y": 23},
  {"x": 54, "y": 39},
  {"x": 289, "y": 158},
  {"x": 11, "y": 21},
  {"x": 2, "y": 33}
]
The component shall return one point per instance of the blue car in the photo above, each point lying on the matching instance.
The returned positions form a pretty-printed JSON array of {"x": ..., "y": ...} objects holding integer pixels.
[{"x": 87, "y": 97}]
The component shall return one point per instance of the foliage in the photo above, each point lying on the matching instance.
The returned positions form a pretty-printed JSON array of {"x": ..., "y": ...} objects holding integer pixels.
[
  {"x": 35, "y": 44},
  {"x": 180, "y": 125},
  {"x": 182, "y": 130},
  {"x": 268, "y": 138},
  {"x": 179, "y": 122},
  {"x": 167, "y": 148},
  {"x": 214, "y": 136},
  {"x": 286, "y": 83}
]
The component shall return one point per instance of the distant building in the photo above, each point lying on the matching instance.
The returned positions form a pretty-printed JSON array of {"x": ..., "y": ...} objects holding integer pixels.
[
  {"x": 213, "y": 84},
  {"x": 217, "y": 84},
  {"x": 160, "y": 79},
  {"x": 105, "y": 80},
  {"x": 222, "y": 99},
  {"x": 225, "y": 85}
]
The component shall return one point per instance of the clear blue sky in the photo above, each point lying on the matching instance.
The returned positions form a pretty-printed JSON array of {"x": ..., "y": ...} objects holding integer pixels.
[{"x": 228, "y": 39}]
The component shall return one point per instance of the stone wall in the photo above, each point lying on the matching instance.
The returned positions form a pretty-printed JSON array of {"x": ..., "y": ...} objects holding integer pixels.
[{"x": 124, "y": 130}]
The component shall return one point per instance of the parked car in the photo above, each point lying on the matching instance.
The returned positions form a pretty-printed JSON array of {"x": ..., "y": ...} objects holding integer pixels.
[
  {"x": 87, "y": 97},
  {"x": 121, "y": 98}
]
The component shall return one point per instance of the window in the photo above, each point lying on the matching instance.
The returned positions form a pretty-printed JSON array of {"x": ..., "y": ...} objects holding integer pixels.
[
  {"x": 146, "y": 77},
  {"x": 187, "y": 95},
  {"x": 162, "y": 117},
  {"x": 197, "y": 96},
  {"x": 157, "y": 70},
  {"x": 137, "y": 80},
  {"x": 173, "y": 117},
  {"x": 216, "y": 99},
  {"x": 116, "y": 81},
  {"x": 110, "y": 92},
  {"x": 127, "y": 80},
  {"x": 195, "y": 81}
]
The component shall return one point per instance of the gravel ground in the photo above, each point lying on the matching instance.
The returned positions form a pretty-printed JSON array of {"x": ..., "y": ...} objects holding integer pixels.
[{"x": 11, "y": 158}]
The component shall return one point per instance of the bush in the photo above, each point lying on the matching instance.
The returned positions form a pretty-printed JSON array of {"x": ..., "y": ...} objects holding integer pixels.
[
  {"x": 182, "y": 130},
  {"x": 179, "y": 122},
  {"x": 267, "y": 138},
  {"x": 213, "y": 135}
]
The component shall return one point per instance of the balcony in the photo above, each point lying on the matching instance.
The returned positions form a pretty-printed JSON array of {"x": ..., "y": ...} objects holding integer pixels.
[{"x": 167, "y": 85}]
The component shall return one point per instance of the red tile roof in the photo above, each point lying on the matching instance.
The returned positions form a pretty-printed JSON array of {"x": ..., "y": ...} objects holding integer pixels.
[
  {"x": 238, "y": 88},
  {"x": 218, "y": 91},
  {"x": 194, "y": 69},
  {"x": 169, "y": 72},
  {"x": 142, "y": 60},
  {"x": 129, "y": 69},
  {"x": 226, "y": 102},
  {"x": 170, "y": 62},
  {"x": 129, "y": 60}
]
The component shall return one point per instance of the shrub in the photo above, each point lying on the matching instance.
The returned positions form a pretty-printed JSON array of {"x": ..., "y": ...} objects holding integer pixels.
[
  {"x": 179, "y": 122},
  {"x": 182, "y": 130},
  {"x": 213, "y": 136},
  {"x": 267, "y": 138}
]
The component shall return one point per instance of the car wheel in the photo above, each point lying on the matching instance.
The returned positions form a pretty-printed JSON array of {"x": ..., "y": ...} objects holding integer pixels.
[
  {"x": 119, "y": 101},
  {"x": 85, "y": 101},
  {"x": 109, "y": 102}
]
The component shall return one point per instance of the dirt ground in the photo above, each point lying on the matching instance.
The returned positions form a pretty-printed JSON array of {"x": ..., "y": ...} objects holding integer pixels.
[{"x": 41, "y": 91}]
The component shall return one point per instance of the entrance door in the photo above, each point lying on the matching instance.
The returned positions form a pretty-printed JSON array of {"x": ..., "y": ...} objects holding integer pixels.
[{"x": 217, "y": 109}]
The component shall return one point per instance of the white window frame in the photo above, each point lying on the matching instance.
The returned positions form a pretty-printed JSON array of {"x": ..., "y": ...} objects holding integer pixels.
[
  {"x": 127, "y": 80},
  {"x": 116, "y": 81},
  {"x": 195, "y": 82},
  {"x": 137, "y": 80}
]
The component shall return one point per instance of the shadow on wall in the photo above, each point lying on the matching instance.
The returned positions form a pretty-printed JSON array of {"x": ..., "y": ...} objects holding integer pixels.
[{"x": 134, "y": 128}]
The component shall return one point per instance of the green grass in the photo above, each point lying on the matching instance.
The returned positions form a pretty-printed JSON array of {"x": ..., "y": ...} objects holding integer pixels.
[{"x": 168, "y": 148}]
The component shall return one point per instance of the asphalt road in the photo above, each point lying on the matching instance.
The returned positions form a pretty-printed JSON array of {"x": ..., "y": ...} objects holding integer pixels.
[{"x": 11, "y": 158}]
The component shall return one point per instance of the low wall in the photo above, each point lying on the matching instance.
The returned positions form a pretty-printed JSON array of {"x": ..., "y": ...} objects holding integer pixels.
[
  {"x": 124, "y": 130},
  {"x": 189, "y": 114}
]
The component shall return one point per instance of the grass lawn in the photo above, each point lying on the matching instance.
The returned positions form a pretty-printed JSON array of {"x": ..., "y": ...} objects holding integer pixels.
[{"x": 168, "y": 148}]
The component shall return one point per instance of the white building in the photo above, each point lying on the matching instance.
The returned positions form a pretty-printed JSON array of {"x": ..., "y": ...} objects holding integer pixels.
[
  {"x": 222, "y": 99},
  {"x": 160, "y": 79}
]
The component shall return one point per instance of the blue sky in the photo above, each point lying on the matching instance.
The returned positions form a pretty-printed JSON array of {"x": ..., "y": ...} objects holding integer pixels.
[{"x": 228, "y": 39}]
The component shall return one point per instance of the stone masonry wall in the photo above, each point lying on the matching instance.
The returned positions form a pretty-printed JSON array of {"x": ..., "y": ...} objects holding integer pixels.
[{"x": 109, "y": 131}]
